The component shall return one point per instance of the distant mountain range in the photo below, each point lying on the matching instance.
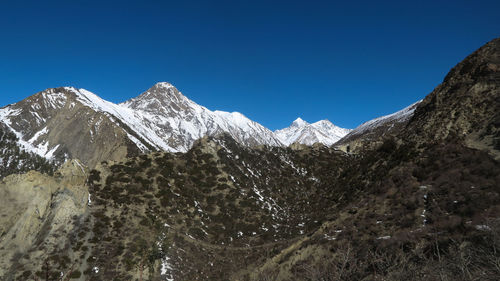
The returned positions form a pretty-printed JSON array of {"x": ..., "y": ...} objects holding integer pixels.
[{"x": 68, "y": 123}]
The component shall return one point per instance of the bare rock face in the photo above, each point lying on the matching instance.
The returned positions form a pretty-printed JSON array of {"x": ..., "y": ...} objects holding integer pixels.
[{"x": 37, "y": 210}]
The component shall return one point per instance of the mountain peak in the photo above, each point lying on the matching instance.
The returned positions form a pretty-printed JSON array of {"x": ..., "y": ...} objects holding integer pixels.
[
  {"x": 300, "y": 131},
  {"x": 165, "y": 85},
  {"x": 299, "y": 122},
  {"x": 160, "y": 95},
  {"x": 163, "y": 89},
  {"x": 324, "y": 122}
]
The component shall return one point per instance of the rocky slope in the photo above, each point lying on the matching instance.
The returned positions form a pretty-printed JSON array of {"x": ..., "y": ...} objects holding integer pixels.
[
  {"x": 38, "y": 212},
  {"x": 300, "y": 131},
  {"x": 209, "y": 212},
  {"x": 466, "y": 105},
  {"x": 466, "y": 100},
  {"x": 204, "y": 214},
  {"x": 223, "y": 211},
  {"x": 428, "y": 169},
  {"x": 59, "y": 124}
]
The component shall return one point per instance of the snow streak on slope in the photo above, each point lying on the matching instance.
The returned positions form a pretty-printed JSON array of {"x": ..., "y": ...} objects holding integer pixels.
[
  {"x": 302, "y": 132},
  {"x": 400, "y": 116},
  {"x": 133, "y": 119},
  {"x": 32, "y": 145}
]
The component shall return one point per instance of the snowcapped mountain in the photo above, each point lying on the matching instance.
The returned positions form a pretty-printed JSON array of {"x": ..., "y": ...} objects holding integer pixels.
[
  {"x": 302, "y": 132},
  {"x": 179, "y": 121},
  {"x": 63, "y": 123},
  {"x": 75, "y": 123}
]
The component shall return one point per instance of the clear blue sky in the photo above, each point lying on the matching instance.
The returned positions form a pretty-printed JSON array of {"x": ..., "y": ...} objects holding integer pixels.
[{"x": 346, "y": 61}]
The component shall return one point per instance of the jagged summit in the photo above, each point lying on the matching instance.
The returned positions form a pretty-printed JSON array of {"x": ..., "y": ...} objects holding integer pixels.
[
  {"x": 299, "y": 122},
  {"x": 160, "y": 95},
  {"x": 164, "y": 85},
  {"x": 300, "y": 131}
]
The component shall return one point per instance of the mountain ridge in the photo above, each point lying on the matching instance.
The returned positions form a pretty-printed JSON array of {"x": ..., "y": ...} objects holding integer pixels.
[
  {"x": 302, "y": 132},
  {"x": 373, "y": 131},
  {"x": 135, "y": 126},
  {"x": 57, "y": 122}
]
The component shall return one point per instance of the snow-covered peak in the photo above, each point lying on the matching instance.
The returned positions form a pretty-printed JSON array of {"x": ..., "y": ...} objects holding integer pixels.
[
  {"x": 163, "y": 118},
  {"x": 162, "y": 96},
  {"x": 177, "y": 117},
  {"x": 324, "y": 124},
  {"x": 163, "y": 89},
  {"x": 235, "y": 117},
  {"x": 165, "y": 85},
  {"x": 166, "y": 119},
  {"x": 299, "y": 123},
  {"x": 301, "y": 131}
]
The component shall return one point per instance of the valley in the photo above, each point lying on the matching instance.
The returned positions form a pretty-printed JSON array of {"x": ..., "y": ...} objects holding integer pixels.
[{"x": 161, "y": 188}]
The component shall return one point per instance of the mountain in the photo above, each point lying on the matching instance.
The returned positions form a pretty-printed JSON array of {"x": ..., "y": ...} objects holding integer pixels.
[
  {"x": 422, "y": 202},
  {"x": 371, "y": 132},
  {"x": 68, "y": 123},
  {"x": 223, "y": 211},
  {"x": 178, "y": 121},
  {"x": 300, "y": 131},
  {"x": 189, "y": 208},
  {"x": 467, "y": 97},
  {"x": 466, "y": 105}
]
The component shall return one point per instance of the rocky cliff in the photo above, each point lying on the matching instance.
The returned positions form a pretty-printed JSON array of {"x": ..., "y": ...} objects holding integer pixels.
[{"x": 37, "y": 219}]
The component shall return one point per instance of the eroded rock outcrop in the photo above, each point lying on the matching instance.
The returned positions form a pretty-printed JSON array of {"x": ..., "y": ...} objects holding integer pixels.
[{"x": 38, "y": 211}]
